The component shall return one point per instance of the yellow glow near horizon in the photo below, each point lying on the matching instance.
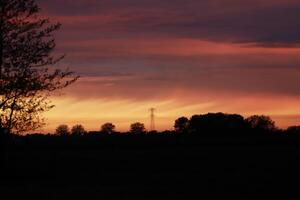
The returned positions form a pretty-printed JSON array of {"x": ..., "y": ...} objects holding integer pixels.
[{"x": 92, "y": 113}]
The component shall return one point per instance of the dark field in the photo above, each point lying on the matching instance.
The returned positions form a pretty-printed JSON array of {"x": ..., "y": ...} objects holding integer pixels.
[{"x": 150, "y": 167}]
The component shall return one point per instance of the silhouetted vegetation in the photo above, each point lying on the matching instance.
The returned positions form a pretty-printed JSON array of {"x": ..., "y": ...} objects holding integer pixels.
[
  {"x": 108, "y": 128},
  {"x": 217, "y": 123},
  {"x": 27, "y": 75},
  {"x": 204, "y": 125},
  {"x": 293, "y": 131},
  {"x": 182, "y": 125},
  {"x": 216, "y": 154},
  {"x": 62, "y": 130},
  {"x": 261, "y": 123},
  {"x": 235, "y": 159},
  {"x": 137, "y": 128},
  {"x": 78, "y": 130}
]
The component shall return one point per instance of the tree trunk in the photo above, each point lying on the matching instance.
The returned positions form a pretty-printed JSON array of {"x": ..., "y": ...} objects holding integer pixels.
[{"x": 12, "y": 109}]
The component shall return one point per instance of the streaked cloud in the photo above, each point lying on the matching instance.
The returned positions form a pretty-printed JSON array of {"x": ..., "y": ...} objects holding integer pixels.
[{"x": 184, "y": 57}]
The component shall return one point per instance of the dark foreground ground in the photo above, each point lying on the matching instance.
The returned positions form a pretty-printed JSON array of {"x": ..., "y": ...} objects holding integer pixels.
[{"x": 150, "y": 167}]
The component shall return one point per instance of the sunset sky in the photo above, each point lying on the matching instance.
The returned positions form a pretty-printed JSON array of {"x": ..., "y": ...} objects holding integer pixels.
[{"x": 182, "y": 57}]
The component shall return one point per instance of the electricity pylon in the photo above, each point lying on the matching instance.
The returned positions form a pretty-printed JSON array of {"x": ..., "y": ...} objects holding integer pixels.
[{"x": 152, "y": 119}]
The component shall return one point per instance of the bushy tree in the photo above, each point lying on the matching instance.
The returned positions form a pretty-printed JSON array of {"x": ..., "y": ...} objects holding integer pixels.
[
  {"x": 108, "y": 128},
  {"x": 261, "y": 122},
  {"x": 293, "y": 130},
  {"x": 62, "y": 130},
  {"x": 137, "y": 128},
  {"x": 78, "y": 130},
  {"x": 27, "y": 72},
  {"x": 217, "y": 123},
  {"x": 181, "y": 125}
]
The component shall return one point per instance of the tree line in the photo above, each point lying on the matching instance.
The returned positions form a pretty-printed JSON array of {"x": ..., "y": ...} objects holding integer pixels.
[
  {"x": 210, "y": 123},
  {"x": 107, "y": 128}
]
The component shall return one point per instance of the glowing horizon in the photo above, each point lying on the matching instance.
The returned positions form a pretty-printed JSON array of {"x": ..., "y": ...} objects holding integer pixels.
[
  {"x": 92, "y": 113},
  {"x": 182, "y": 58}
]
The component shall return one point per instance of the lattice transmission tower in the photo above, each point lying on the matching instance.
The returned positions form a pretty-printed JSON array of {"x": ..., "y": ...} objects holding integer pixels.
[{"x": 152, "y": 119}]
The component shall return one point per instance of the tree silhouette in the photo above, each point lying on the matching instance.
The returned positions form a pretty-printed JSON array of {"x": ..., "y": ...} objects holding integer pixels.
[
  {"x": 261, "y": 122},
  {"x": 137, "y": 128},
  {"x": 62, "y": 130},
  {"x": 27, "y": 73},
  {"x": 108, "y": 128},
  {"x": 181, "y": 125},
  {"x": 217, "y": 123},
  {"x": 293, "y": 130},
  {"x": 78, "y": 130}
]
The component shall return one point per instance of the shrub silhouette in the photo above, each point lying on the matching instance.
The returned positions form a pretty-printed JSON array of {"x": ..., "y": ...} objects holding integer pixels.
[
  {"x": 108, "y": 128},
  {"x": 261, "y": 123},
  {"x": 62, "y": 130},
  {"x": 217, "y": 123},
  {"x": 137, "y": 128},
  {"x": 78, "y": 130},
  {"x": 181, "y": 125},
  {"x": 293, "y": 130}
]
